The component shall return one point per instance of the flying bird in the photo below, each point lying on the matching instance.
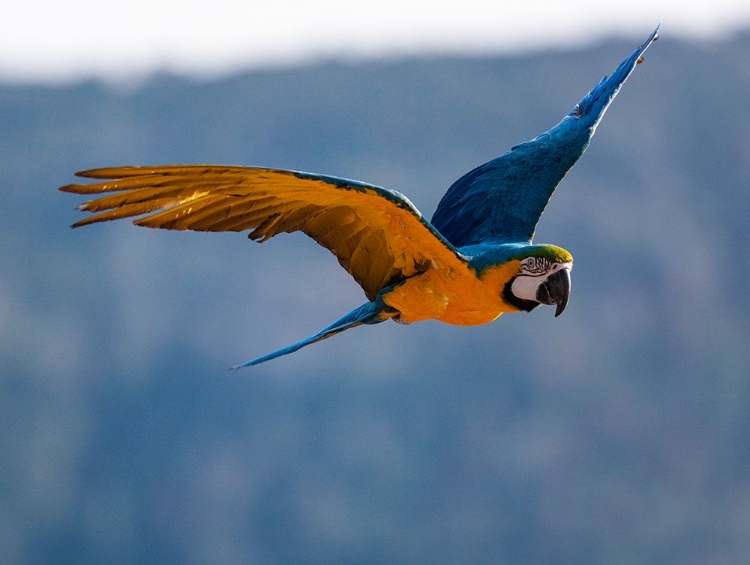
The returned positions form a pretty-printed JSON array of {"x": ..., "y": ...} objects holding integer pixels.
[{"x": 474, "y": 261}]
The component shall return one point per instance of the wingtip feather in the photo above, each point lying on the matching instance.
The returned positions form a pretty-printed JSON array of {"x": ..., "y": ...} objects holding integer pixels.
[{"x": 110, "y": 172}]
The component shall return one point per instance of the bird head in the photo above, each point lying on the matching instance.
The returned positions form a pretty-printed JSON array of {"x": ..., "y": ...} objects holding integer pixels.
[{"x": 543, "y": 277}]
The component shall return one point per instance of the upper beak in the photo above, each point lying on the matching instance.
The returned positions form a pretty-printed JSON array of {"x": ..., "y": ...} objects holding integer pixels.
[{"x": 556, "y": 290}]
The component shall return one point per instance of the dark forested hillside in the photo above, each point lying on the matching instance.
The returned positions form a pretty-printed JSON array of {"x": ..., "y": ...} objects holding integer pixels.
[{"x": 618, "y": 433}]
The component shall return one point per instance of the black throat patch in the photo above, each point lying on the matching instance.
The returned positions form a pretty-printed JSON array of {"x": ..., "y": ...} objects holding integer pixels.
[{"x": 513, "y": 300}]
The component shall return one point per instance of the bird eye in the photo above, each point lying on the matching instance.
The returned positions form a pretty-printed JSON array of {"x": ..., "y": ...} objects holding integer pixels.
[{"x": 535, "y": 266}]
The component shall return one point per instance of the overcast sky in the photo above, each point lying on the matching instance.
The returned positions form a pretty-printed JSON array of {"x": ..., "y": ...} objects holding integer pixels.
[{"x": 59, "y": 40}]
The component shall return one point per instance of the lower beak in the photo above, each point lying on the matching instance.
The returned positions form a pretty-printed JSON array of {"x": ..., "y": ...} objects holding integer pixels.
[{"x": 556, "y": 290}]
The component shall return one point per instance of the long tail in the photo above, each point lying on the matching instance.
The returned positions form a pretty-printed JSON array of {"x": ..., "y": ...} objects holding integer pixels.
[{"x": 369, "y": 313}]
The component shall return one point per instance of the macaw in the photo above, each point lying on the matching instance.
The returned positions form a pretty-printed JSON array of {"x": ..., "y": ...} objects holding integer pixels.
[{"x": 474, "y": 261}]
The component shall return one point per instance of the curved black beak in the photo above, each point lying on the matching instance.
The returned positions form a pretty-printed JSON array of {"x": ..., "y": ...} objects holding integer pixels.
[{"x": 556, "y": 290}]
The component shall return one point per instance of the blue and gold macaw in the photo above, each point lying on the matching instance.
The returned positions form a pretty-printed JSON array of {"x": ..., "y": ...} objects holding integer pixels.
[{"x": 473, "y": 262}]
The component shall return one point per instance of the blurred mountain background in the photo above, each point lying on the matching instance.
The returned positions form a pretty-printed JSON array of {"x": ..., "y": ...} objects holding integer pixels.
[{"x": 618, "y": 433}]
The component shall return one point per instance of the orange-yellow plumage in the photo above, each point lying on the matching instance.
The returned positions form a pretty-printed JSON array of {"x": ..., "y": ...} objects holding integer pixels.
[
  {"x": 376, "y": 235},
  {"x": 454, "y": 296}
]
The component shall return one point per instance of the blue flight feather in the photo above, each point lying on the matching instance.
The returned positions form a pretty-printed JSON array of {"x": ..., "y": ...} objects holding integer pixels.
[{"x": 502, "y": 200}]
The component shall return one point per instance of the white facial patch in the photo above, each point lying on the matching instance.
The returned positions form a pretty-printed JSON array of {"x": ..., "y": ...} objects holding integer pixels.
[
  {"x": 525, "y": 287},
  {"x": 534, "y": 272}
]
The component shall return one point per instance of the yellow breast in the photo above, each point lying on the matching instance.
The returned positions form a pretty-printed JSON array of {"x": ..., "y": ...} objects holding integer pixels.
[{"x": 455, "y": 297}]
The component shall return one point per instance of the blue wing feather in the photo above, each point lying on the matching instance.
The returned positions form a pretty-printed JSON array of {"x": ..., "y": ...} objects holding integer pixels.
[{"x": 503, "y": 199}]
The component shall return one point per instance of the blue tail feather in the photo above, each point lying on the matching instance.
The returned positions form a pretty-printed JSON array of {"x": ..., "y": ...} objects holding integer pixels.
[{"x": 369, "y": 313}]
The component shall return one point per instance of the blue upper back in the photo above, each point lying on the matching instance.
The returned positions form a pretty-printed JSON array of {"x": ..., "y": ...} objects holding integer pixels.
[{"x": 503, "y": 199}]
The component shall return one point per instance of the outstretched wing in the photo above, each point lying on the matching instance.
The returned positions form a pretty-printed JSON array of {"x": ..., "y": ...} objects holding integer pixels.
[
  {"x": 378, "y": 236},
  {"x": 503, "y": 199}
]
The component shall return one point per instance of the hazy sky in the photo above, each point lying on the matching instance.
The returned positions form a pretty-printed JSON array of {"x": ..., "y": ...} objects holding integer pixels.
[{"x": 54, "y": 39}]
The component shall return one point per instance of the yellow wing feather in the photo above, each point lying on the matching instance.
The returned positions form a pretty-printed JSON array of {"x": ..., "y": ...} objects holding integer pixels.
[{"x": 376, "y": 234}]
